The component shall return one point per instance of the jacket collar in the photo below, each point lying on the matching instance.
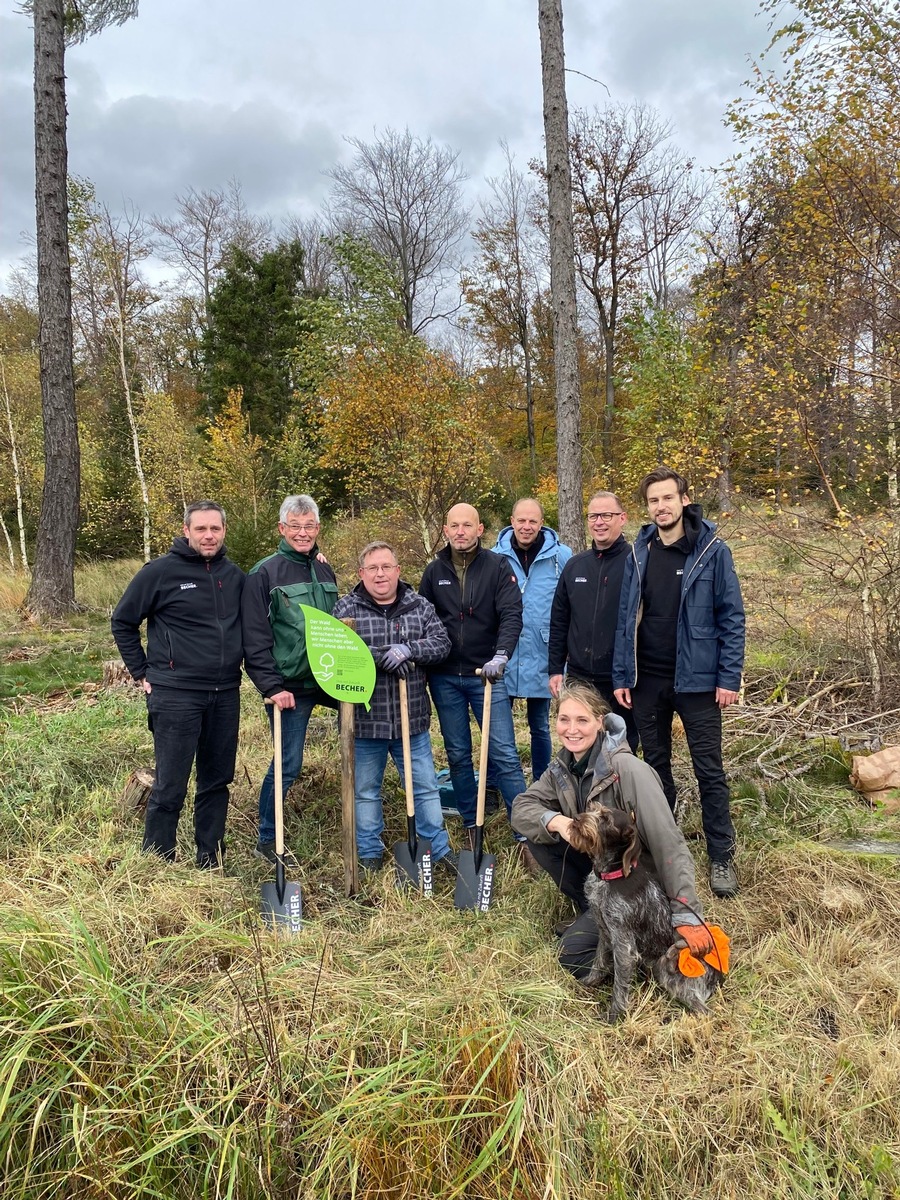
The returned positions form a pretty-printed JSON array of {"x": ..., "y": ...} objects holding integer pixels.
[{"x": 286, "y": 550}]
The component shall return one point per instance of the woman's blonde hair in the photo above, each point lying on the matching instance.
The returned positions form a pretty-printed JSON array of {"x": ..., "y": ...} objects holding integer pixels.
[{"x": 584, "y": 693}]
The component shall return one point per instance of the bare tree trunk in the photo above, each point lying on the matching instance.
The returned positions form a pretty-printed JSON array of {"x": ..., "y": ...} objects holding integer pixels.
[
  {"x": 529, "y": 406},
  {"x": 133, "y": 426},
  {"x": 562, "y": 275},
  {"x": 52, "y": 590},
  {"x": 17, "y": 475},
  {"x": 9, "y": 546}
]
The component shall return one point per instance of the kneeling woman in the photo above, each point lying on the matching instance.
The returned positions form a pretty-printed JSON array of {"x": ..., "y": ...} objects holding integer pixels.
[{"x": 595, "y": 766}]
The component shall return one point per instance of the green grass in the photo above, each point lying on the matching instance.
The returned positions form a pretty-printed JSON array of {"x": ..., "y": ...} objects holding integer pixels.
[{"x": 156, "y": 1041}]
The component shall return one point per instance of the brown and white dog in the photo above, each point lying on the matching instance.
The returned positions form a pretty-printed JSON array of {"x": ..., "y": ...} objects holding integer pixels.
[{"x": 632, "y": 915}]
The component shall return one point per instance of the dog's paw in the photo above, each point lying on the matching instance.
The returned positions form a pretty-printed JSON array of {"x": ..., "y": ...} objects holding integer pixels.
[{"x": 611, "y": 1016}]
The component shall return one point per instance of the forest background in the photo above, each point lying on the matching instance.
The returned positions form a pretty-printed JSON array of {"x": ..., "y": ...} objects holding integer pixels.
[{"x": 394, "y": 353}]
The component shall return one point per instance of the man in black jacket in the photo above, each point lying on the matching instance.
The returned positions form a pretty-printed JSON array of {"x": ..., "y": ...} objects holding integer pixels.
[
  {"x": 585, "y": 608},
  {"x": 191, "y": 675},
  {"x": 476, "y": 596}
]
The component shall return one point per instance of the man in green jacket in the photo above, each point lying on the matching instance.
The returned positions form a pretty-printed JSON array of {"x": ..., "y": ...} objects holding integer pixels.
[{"x": 275, "y": 645}]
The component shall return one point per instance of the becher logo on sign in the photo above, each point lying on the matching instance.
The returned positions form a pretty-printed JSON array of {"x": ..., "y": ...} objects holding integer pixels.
[{"x": 185, "y": 586}]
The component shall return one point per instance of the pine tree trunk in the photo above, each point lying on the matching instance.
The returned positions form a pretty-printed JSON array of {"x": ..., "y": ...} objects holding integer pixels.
[
  {"x": 52, "y": 590},
  {"x": 562, "y": 275}
]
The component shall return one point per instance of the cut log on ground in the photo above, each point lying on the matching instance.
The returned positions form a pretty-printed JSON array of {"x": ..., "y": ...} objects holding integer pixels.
[{"x": 137, "y": 789}]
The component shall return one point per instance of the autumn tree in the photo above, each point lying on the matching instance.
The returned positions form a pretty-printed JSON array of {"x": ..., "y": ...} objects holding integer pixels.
[
  {"x": 562, "y": 273},
  {"x": 408, "y": 435},
  {"x": 52, "y": 590},
  {"x": 502, "y": 287},
  {"x": 404, "y": 195},
  {"x": 634, "y": 202}
]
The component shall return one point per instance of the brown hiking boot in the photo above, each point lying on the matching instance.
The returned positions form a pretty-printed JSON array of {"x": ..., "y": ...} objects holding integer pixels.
[{"x": 528, "y": 861}]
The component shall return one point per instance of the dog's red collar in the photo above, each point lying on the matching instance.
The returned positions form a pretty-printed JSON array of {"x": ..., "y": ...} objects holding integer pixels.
[{"x": 608, "y": 876}]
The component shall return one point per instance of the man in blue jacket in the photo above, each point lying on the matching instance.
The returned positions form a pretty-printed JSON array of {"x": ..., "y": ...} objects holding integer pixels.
[
  {"x": 191, "y": 676},
  {"x": 537, "y": 557},
  {"x": 680, "y": 648}
]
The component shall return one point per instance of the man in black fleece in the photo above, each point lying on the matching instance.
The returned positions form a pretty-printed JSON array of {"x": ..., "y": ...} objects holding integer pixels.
[
  {"x": 585, "y": 608},
  {"x": 476, "y": 596},
  {"x": 191, "y": 676}
]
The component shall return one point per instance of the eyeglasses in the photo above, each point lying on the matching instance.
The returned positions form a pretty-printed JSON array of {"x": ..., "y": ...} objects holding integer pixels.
[
  {"x": 291, "y": 528},
  {"x": 385, "y": 569},
  {"x": 608, "y": 516}
]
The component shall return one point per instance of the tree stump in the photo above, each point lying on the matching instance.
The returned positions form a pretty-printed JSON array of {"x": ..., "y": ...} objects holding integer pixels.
[
  {"x": 116, "y": 674},
  {"x": 137, "y": 789}
]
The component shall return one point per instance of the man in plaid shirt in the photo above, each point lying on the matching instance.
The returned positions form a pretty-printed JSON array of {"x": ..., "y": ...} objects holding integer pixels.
[{"x": 404, "y": 633}]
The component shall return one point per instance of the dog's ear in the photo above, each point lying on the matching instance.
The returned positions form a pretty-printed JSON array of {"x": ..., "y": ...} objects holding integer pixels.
[
  {"x": 632, "y": 851},
  {"x": 584, "y": 834}
]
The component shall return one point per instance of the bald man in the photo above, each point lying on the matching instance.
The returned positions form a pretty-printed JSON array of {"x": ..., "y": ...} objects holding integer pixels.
[{"x": 477, "y": 598}]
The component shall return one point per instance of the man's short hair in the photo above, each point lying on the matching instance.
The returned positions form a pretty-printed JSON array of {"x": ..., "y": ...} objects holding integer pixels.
[
  {"x": 528, "y": 500},
  {"x": 202, "y": 506},
  {"x": 662, "y": 474},
  {"x": 372, "y": 547},
  {"x": 604, "y": 494},
  {"x": 297, "y": 506}
]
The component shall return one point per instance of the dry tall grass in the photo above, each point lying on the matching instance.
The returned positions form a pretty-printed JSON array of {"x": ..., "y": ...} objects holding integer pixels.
[{"x": 155, "y": 1041}]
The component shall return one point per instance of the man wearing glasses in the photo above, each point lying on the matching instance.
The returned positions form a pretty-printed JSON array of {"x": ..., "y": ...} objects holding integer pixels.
[
  {"x": 585, "y": 607},
  {"x": 275, "y": 645},
  {"x": 403, "y": 632}
]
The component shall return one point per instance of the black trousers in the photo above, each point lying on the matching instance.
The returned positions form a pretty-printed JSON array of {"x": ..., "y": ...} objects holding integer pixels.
[
  {"x": 569, "y": 869},
  {"x": 189, "y": 725},
  {"x": 605, "y": 688},
  {"x": 655, "y": 703}
]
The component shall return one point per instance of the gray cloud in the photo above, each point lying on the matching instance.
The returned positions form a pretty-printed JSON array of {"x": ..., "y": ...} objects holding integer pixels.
[{"x": 174, "y": 99}]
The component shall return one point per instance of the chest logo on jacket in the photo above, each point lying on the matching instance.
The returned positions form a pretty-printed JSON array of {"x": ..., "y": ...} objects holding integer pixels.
[{"x": 185, "y": 586}]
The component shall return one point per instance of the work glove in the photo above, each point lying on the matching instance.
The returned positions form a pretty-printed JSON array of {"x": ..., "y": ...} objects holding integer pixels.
[
  {"x": 698, "y": 938},
  {"x": 396, "y": 660},
  {"x": 494, "y": 669}
]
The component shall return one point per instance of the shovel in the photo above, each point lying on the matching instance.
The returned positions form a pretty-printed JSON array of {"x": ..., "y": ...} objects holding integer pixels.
[
  {"x": 413, "y": 858},
  {"x": 475, "y": 879},
  {"x": 281, "y": 904}
]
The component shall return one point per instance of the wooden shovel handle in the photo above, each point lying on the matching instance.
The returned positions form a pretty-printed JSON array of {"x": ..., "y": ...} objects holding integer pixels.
[{"x": 407, "y": 750}]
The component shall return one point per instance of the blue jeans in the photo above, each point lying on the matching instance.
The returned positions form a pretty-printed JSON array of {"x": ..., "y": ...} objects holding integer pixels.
[
  {"x": 538, "y": 710},
  {"x": 371, "y": 760},
  {"x": 293, "y": 738},
  {"x": 453, "y": 696},
  {"x": 188, "y": 725}
]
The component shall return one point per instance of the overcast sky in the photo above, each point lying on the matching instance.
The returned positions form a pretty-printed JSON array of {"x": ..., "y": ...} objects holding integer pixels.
[{"x": 267, "y": 93}]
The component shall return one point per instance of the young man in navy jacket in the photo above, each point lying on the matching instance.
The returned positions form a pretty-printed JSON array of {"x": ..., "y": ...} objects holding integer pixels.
[{"x": 680, "y": 648}]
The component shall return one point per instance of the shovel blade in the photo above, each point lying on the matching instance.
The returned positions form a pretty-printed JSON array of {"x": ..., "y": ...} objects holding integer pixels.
[
  {"x": 416, "y": 873},
  {"x": 284, "y": 915},
  {"x": 474, "y": 885}
]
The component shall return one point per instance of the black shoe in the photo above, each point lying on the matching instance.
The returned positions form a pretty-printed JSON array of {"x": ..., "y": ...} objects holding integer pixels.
[
  {"x": 492, "y": 800},
  {"x": 370, "y": 866},
  {"x": 449, "y": 863},
  {"x": 723, "y": 880},
  {"x": 266, "y": 851}
]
